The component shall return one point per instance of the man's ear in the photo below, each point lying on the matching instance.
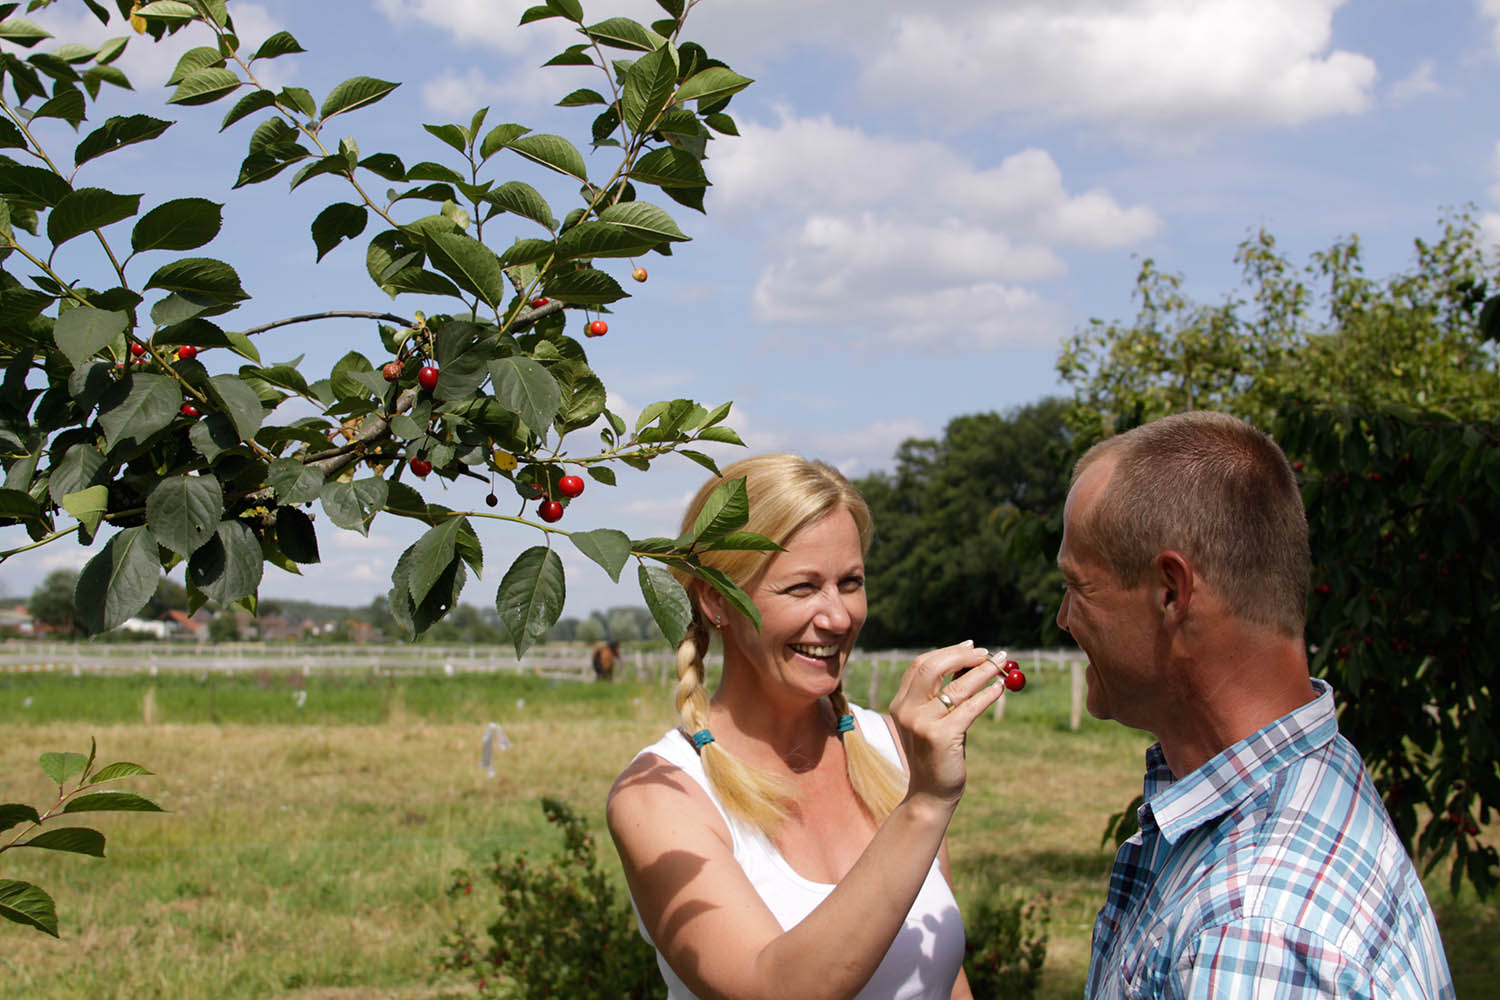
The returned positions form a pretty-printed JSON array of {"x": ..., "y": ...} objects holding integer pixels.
[{"x": 1175, "y": 580}]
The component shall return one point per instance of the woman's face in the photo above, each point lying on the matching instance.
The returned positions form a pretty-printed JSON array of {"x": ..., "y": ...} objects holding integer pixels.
[{"x": 812, "y": 604}]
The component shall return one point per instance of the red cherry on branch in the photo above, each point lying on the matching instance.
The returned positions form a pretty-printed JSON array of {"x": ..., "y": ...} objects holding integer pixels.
[
  {"x": 539, "y": 301},
  {"x": 598, "y": 328},
  {"x": 570, "y": 486},
  {"x": 639, "y": 274},
  {"x": 491, "y": 500},
  {"x": 427, "y": 377},
  {"x": 188, "y": 410},
  {"x": 187, "y": 352},
  {"x": 421, "y": 467},
  {"x": 137, "y": 349},
  {"x": 550, "y": 511}
]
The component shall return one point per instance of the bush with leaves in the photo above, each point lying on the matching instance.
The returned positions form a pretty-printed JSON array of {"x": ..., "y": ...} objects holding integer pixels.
[
  {"x": 562, "y": 929},
  {"x": 1005, "y": 946},
  {"x": 25, "y": 903},
  {"x": 111, "y": 422}
]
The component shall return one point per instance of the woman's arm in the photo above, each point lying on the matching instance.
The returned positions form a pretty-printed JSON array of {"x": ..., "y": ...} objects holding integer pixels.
[{"x": 707, "y": 919}]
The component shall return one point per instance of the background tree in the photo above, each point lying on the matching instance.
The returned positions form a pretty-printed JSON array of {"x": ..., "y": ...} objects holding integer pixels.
[
  {"x": 113, "y": 430},
  {"x": 52, "y": 602},
  {"x": 1384, "y": 393},
  {"x": 941, "y": 568}
]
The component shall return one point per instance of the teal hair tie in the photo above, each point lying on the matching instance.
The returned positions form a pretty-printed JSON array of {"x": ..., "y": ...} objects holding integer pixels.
[
  {"x": 846, "y": 723},
  {"x": 702, "y": 738}
]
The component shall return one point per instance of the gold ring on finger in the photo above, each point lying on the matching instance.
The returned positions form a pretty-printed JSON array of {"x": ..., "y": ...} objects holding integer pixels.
[{"x": 942, "y": 696}]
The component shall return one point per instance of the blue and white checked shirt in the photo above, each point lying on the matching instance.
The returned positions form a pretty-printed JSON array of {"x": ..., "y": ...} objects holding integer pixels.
[{"x": 1272, "y": 871}]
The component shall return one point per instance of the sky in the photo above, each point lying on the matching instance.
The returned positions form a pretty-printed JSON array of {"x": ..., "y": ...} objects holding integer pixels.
[{"x": 923, "y": 203}]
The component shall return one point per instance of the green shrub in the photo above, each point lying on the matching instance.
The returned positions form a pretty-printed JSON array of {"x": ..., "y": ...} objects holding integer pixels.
[
  {"x": 562, "y": 930},
  {"x": 1006, "y": 946}
]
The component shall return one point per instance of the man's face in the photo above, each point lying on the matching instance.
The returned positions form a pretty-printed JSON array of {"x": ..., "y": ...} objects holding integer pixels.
[{"x": 1113, "y": 624}]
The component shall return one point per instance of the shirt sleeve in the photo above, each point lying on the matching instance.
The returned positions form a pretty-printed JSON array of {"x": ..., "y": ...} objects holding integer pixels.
[{"x": 1268, "y": 959}]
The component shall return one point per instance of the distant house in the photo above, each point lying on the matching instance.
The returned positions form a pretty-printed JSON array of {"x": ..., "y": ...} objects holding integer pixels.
[
  {"x": 181, "y": 625},
  {"x": 18, "y": 618},
  {"x": 274, "y": 627},
  {"x": 362, "y": 633}
]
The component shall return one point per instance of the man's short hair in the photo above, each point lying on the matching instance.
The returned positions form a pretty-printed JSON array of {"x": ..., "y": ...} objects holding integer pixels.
[{"x": 1218, "y": 491}]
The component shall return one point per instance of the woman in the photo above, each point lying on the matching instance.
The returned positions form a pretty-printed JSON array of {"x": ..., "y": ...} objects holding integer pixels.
[{"x": 783, "y": 843}]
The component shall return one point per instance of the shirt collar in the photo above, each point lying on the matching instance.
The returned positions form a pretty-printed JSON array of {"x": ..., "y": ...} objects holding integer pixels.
[{"x": 1177, "y": 807}]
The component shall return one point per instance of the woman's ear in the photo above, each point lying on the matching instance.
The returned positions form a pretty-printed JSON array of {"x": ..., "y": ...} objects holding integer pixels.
[{"x": 710, "y": 603}]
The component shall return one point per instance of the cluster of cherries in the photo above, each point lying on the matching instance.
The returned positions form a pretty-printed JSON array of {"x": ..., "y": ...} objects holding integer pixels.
[
  {"x": 1014, "y": 679},
  {"x": 186, "y": 352}
]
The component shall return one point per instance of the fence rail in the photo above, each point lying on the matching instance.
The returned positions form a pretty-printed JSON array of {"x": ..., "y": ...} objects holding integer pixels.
[{"x": 870, "y": 672}]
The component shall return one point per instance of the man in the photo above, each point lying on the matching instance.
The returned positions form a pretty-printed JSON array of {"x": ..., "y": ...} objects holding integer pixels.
[{"x": 1265, "y": 865}]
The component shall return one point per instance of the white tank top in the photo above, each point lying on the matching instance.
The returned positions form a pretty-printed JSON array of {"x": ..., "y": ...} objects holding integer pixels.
[{"x": 923, "y": 960}]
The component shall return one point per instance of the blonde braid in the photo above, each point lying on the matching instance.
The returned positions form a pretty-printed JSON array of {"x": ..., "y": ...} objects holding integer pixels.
[
  {"x": 880, "y": 784},
  {"x": 763, "y": 800}
]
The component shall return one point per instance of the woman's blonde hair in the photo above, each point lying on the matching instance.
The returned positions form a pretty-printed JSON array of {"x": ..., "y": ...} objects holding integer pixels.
[{"x": 786, "y": 493}]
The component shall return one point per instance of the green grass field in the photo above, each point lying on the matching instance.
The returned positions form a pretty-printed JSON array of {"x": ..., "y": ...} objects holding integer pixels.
[{"x": 314, "y": 822}]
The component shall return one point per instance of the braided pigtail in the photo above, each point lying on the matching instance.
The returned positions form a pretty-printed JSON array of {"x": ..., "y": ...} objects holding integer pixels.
[
  {"x": 750, "y": 794},
  {"x": 879, "y": 784}
]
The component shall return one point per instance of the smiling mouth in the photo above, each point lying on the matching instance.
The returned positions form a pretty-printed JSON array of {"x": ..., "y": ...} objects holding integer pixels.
[{"x": 816, "y": 652}]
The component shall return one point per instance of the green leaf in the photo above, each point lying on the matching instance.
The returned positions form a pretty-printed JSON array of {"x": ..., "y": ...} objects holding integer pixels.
[
  {"x": 168, "y": 10},
  {"x": 193, "y": 60},
  {"x": 453, "y": 136},
  {"x": 430, "y": 556},
  {"x": 724, "y": 435},
  {"x": 648, "y": 88},
  {"x": 500, "y": 137},
  {"x": 82, "y": 332},
  {"x": 87, "y": 209},
  {"x": 116, "y": 132},
  {"x": 353, "y": 505},
  {"x": 669, "y": 168},
  {"x": 570, "y": 9},
  {"x": 24, "y": 903},
  {"x": 88, "y": 505},
  {"x": 22, "y": 32},
  {"x": 96, "y": 76},
  {"x": 745, "y": 541},
  {"x": 667, "y": 601},
  {"x": 526, "y": 252},
  {"x": 721, "y": 123},
  {"x": 15, "y": 813},
  {"x": 603, "y": 239},
  {"x": 116, "y": 771},
  {"x": 73, "y": 839},
  {"x": 296, "y": 536},
  {"x": 62, "y": 766},
  {"x": 228, "y": 567},
  {"x": 726, "y": 509},
  {"x": 336, "y": 223},
  {"x": 355, "y": 92},
  {"x": 603, "y": 474},
  {"x": 524, "y": 200},
  {"x": 280, "y": 44},
  {"x": 585, "y": 287},
  {"x": 137, "y": 407},
  {"x": 10, "y": 136},
  {"x": 471, "y": 264},
  {"x": 180, "y": 224},
  {"x": 581, "y": 98},
  {"x": 623, "y": 33},
  {"x": 526, "y": 388},
  {"x": 606, "y": 546},
  {"x": 111, "y": 800},
  {"x": 252, "y": 102},
  {"x": 331, "y": 164},
  {"x": 201, "y": 276},
  {"x": 385, "y": 165},
  {"x": 712, "y": 84},
  {"x": 552, "y": 151},
  {"x": 18, "y": 505},
  {"x": 732, "y": 593},
  {"x": 205, "y": 86},
  {"x": 531, "y": 596},
  {"x": 183, "y": 512},
  {"x": 32, "y": 187},
  {"x": 537, "y": 14},
  {"x": 239, "y": 402},
  {"x": 67, "y": 105},
  {"x": 294, "y": 482},
  {"x": 118, "y": 582}
]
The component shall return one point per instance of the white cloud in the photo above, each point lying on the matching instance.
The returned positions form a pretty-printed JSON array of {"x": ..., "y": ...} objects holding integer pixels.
[
  {"x": 1420, "y": 82},
  {"x": 1491, "y": 10},
  {"x": 1173, "y": 64},
  {"x": 476, "y": 23}
]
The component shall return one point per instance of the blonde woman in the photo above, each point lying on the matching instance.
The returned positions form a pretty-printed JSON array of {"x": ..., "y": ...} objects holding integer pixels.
[{"x": 783, "y": 843}]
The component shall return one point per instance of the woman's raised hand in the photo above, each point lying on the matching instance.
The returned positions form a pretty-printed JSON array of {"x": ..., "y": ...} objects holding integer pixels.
[{"x": 933, "y": 710}]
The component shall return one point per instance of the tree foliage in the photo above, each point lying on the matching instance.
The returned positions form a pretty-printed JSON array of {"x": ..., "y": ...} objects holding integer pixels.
[
  {"x": 51, "y": 603},
  {"x": 942, "y": 568},
  {"x": 1385, "y": 394},
  {"x": 115, "y": 430}
]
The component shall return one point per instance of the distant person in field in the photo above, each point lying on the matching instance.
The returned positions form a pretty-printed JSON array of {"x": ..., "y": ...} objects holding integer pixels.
[
  {"x": 606, "y": 654},
  {"x": 782, "y": 842},
  {"x": 1265, "y": 864}
]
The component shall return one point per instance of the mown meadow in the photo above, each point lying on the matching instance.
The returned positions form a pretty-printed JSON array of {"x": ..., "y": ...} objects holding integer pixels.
[{"x": 314, "y": 822}]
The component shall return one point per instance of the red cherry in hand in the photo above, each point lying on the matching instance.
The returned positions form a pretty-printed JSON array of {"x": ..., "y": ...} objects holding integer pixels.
[
  {"x": 391, "y": 371},
  {"x": 187, "y": 352},
  {"x": 421, "y": 467},
  {"x": 550, "y": 511},
  {"x": 598, "y": 328},
  {"x": 188, "y": 410},
  {"x": 1014, "y": 680},
  {"x": 570, "y": 486},
  {"x": 427, "y": 377},
  {"x": 137, "y": 349}
]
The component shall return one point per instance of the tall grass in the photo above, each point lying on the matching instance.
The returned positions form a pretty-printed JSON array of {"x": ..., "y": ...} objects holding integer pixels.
[{"x": 307, "y": 847}]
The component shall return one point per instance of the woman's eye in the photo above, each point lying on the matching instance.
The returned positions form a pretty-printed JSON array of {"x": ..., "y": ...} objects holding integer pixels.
[{"x": 851, "y": 584}]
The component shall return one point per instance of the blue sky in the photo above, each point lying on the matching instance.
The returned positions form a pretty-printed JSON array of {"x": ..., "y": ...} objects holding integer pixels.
[{"x": 924, "y": 202}]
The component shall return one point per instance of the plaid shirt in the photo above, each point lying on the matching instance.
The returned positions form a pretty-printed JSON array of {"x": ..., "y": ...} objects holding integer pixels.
[{"x": 1271, "y": 871}]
